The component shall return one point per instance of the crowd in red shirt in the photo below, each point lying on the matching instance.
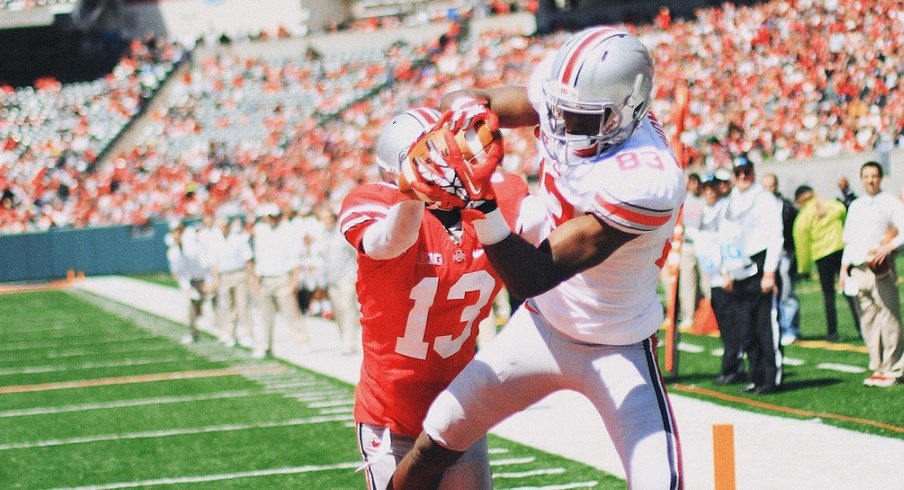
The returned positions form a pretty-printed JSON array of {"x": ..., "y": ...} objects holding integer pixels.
[{"x": 778, "y": 80}]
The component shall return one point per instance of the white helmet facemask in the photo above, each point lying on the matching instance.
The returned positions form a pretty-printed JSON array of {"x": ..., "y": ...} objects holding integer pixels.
[{"x": 603, "y": 73}]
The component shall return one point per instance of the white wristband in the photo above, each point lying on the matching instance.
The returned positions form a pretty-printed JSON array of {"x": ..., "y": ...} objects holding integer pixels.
[{"x": 492, "y": 229}]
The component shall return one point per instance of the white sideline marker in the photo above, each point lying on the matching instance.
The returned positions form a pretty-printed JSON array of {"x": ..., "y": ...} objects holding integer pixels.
[
  {"x": 793, "y": 361},
  {"x": 692, "y": 348},
  {"x": 90, "y": 365},
  {"x": 53, "y": 345},
  {"x": 566, "y": 486},
  {"x": 527, "y": 474},
  {"x": 844, "y": 368},
  {"x": 173, "y": 432},
  {"x": 86, "y": 352},
  {"x": 318, "y": 395},
  {"x": 128, "y": 403},
  {"x": 510, "y": 461},
  {"x": 497, "y": 450},
  {"x": 717, "y": 352},
  {"x": 334, "y": 403},
  {"x": 333, "y": 411},
  {"x": 217, "y": 477}
]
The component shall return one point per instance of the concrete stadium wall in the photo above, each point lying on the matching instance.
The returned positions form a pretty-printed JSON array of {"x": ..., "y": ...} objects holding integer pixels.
[
  {"x": 187, "y": 20},
  {"x": 327, "y": 43},
  {"x": 822, "y": 174},
  {"x": 109, "y": 250}
]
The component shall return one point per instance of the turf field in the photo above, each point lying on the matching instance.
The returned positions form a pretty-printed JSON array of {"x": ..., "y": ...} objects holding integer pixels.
[
  {"x": 89, "y": 398},
  {"x": 822, "y": 380}
]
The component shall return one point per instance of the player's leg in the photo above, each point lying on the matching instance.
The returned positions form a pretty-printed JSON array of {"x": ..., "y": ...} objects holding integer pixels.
[
  {"x": 625, "y": 386},
  {"x": 267, "y": 308},
  {"x": 764, "y": 349},
  {"x": 512, "y": 372},
  {"x": 290, "y": 310},
  {"x": 379, "y": 460},
  {"x": 471, "y": 471}
]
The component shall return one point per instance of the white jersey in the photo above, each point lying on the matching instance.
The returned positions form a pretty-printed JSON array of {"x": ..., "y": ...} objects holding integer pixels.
[{"x": 637, "y": 187}]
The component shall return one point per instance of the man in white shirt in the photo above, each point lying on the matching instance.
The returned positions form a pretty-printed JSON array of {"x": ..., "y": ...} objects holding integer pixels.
[
  {"x": 211, "y": 239},
  {"x": 232, "y": 271},
  {"x": 276, "y": 270},
  {"x": 190, "y": 267},
  {"x": 751, "y": 239},
  {"x": 341, "y": 275},
  {"x": 689, "y": 277},
  {"x": 872, "y": 237}
]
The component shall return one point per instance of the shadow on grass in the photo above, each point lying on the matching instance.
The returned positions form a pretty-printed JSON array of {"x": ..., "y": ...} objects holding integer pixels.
[
  {"x": 809, "y": 383},
  {"x": 706, "y": 381}
]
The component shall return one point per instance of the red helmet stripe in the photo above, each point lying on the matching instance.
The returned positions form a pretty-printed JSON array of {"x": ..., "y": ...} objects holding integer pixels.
[
  {"x": 575, "y": 56},
  {"x": 424, "y": 117}
]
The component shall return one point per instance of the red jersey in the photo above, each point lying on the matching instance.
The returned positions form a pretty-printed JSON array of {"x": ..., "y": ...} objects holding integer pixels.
[{"x": 420, "y": 310}]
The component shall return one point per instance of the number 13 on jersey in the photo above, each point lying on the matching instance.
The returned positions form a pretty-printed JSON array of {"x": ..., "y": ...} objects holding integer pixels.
[{"x": 413, "y": 343}]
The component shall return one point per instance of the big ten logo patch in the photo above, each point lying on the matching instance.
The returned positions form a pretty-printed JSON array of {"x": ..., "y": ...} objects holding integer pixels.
[{"x": 430, "y": 258}]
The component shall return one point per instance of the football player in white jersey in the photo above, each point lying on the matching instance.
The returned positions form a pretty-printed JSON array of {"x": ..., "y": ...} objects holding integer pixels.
[{"x": 613, "y": 190}]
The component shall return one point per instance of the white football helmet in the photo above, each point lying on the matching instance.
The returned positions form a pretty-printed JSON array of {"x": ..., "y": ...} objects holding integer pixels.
[
  {"x": 602, "y": 72},
  {"x": 398, "y": 136}
]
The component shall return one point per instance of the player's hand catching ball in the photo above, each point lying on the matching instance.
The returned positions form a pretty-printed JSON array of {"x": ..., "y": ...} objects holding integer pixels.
[{"x": 458, "y": 163}]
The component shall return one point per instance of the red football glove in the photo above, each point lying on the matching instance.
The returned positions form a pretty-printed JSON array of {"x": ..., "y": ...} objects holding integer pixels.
[
  {"x": 466, "y": 112},
  {"x": 440, "y": 182},
  {"x": 475, "y": 174}
]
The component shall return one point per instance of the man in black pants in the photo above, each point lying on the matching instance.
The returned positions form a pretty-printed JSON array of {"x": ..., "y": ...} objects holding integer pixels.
[
  {"x": 817, "y": 232},
  {"x": 751, "y": 238}
]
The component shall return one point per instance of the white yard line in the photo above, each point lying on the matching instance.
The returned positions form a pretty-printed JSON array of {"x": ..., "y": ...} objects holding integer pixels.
[
  {"x": 333, "y": 403},
  {"x": 844, "y": 368},
  {"x": 90, "y": 365},
  {"x": 217, "y": 477},
  {"x": 127, "y": 403},
  {"x": 793, "y": 361},
  {"x": 566, "y": 486},
  {"x": 65, "y": 354},
  {"x": 173, "y": 432},
  {"x": 497, "y": 450},
  {"x": 15, "y": 346},
  {"x": 318, "y": 395},
  {"x": 688, "y": 347},
  {"x": 526, "y": 474},
  {"x": 334, "y": 411},
  {"x": 511, "y": 461}
]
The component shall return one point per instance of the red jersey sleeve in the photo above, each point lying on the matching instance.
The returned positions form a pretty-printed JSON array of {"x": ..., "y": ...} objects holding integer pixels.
[
  {"x": 510, "y": 191},
  {"x": 364, "y": 206}
]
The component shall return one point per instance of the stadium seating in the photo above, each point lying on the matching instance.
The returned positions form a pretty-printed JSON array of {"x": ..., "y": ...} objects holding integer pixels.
[
  {"x": 29, "y": 4},
  {"x": 50, "y": 134},
  {"x": 776, "y": 80}
]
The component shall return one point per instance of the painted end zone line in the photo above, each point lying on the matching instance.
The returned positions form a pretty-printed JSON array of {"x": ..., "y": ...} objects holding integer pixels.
[
  {"x": 145, "y": 378},
  {"x": 782, "y": 409},
  {"x": 219, "y": 477}
]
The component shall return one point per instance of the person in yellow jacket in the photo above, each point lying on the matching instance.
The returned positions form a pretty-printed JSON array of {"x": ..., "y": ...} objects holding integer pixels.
[{"x": 817, "y": 236}]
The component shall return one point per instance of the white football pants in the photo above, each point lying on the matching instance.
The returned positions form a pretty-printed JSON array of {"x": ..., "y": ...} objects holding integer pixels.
[{"x": 530, "y": 359}]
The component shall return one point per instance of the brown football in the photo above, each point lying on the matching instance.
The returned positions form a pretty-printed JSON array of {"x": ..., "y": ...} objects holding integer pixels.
[{"x": 472, "y": 143}]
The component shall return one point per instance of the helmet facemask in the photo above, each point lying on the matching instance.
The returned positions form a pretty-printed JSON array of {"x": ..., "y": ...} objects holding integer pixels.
[{"x": 577, "y": 130}]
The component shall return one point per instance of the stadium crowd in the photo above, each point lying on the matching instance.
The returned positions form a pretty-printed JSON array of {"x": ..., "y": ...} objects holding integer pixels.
[
  {"x": 829, "y": 88},
  {"x": 52, "y": 134}
]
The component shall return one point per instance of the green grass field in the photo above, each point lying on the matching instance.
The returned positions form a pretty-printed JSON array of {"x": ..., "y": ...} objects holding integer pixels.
[
  {"x": 89, "y": 398},
  {"x": 820, "y": 378}
]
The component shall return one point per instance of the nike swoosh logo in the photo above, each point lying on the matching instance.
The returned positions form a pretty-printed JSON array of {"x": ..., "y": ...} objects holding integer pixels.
[
  {"x": 473, "y": 190},
  {"x": 477, "y": 253}
]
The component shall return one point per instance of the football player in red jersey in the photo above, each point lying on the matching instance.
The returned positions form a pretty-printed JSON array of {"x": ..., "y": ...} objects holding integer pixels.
[
  {"x": 613, "y": 190},
  {"x": 424, "y": 285}
]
